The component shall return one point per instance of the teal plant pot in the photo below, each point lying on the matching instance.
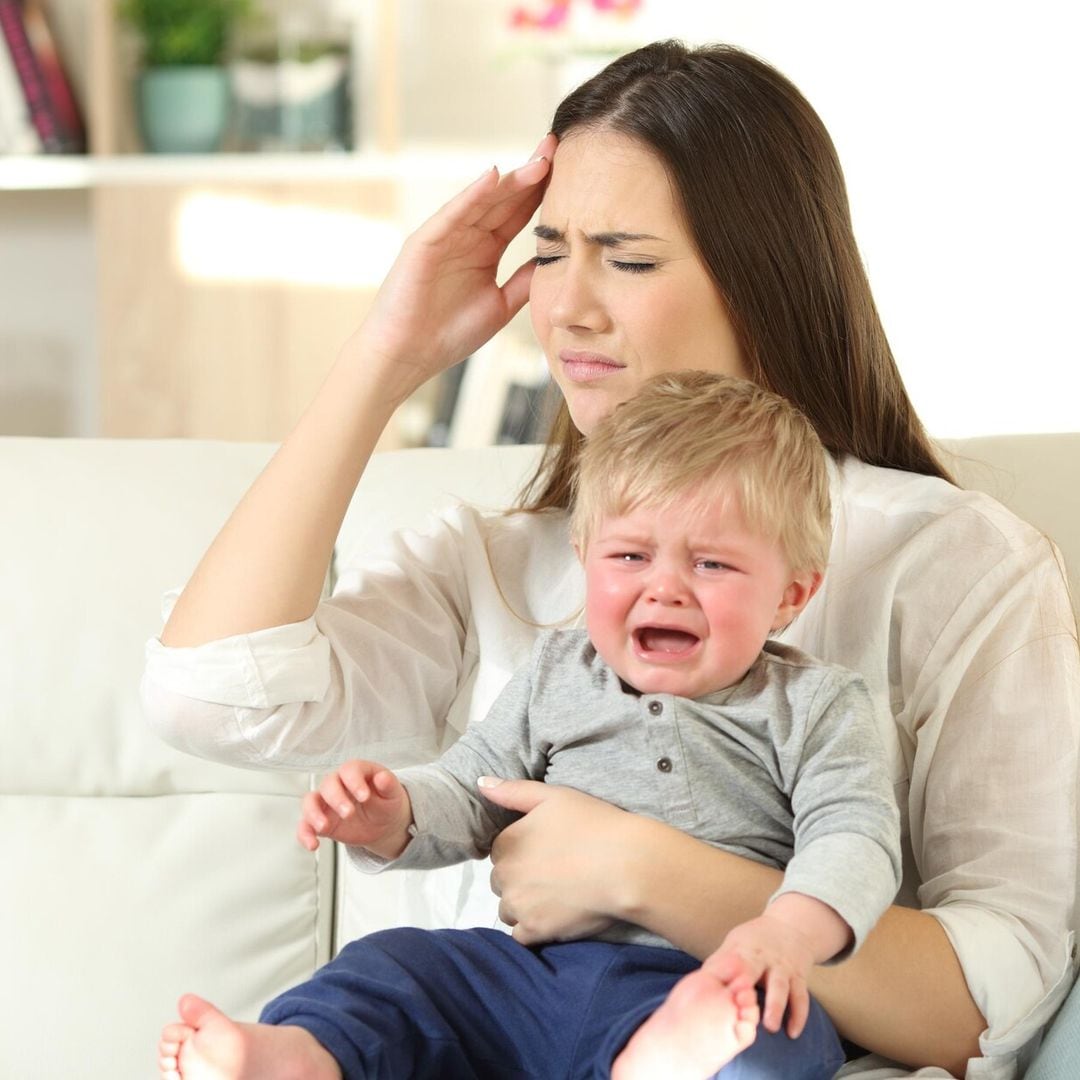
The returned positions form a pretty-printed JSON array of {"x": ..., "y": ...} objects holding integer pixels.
[{"x": 183, "y": 110}]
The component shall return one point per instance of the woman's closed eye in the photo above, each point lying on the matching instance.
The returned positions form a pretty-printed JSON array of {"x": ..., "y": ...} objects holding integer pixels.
[{"x": 626, "y": 267}]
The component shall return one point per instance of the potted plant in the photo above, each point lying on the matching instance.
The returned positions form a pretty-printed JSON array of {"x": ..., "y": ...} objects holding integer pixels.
[{"x": 183, "y": 90}]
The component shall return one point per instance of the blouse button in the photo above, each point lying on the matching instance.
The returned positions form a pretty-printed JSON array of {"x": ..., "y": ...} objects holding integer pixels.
[
  {"x": 655, "y": 708},
  {"x": 664, "y": 764}
]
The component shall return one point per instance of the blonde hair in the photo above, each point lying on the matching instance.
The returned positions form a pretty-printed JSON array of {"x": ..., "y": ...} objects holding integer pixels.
[{"x": 699, "y": 434}]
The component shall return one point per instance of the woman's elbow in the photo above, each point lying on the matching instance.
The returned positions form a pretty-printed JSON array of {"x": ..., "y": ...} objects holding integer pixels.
[{"x": 187, "y": 724}]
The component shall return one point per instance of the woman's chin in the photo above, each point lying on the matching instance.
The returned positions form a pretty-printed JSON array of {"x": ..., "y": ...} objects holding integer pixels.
[{"x": 589, "y": 407}]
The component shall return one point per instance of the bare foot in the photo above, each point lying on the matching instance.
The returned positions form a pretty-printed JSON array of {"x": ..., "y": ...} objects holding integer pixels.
[
  {"x": 709, "y": 1017},
  {"x": 207, "y": 1045}
]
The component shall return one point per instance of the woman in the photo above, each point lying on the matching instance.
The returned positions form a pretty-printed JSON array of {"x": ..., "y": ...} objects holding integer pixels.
[{"x": 695, "y": 217}]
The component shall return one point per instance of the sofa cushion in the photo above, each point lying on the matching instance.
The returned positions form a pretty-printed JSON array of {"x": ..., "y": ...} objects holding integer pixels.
[{"x": 133, "y": 872}]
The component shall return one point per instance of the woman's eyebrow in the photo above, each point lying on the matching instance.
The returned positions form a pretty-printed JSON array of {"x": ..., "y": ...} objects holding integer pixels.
[{"x": 604, "y": 239}]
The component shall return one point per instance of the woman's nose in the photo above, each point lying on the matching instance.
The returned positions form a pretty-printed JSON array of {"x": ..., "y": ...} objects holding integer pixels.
[{"x": 577, "y": 304}]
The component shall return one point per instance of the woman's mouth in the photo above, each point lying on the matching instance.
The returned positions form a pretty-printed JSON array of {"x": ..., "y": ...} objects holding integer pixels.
[
  {"x": 661, "y": 644},
  {"x": 587, "y": 366}
]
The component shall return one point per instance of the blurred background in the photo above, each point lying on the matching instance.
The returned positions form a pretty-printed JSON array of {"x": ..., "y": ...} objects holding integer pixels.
[{"x": 188, "y": 238}]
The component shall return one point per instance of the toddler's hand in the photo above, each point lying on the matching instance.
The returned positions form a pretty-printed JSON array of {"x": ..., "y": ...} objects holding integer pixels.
[
  {"x": 362, "y": 804},
  {"x": 774, "y": 955}
]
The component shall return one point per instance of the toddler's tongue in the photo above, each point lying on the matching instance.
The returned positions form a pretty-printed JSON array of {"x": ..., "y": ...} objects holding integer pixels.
[{"x": 654, "y": 639}]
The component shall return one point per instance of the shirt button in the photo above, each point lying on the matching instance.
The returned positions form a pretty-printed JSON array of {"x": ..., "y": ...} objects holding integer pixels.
[
  {"x": 664, "y": 764},
  {"x": 655, "y": 708}
]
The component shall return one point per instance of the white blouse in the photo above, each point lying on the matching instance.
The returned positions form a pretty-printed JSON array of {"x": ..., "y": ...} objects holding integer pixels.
[{"x": 954, "y": 611}]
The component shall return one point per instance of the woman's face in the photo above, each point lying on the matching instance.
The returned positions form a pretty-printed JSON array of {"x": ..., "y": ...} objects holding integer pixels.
[{"x": 620, "y": 293}]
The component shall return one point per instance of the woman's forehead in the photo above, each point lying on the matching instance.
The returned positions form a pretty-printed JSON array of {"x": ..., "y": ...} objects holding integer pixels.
[{"x": 604, "y": 182}]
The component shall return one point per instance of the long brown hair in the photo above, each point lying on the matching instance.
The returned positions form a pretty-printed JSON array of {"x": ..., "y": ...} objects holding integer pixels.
[{"x": 761, "y": 191}]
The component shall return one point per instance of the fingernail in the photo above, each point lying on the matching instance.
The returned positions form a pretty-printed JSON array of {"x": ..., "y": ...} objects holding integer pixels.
[
  {"x": 485, "y": 173},
  {"x": 488, "y": 781},
  {"x": 536, "y": 153}
]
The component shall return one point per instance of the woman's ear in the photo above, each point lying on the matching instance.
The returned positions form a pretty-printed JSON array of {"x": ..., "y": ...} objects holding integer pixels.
[{"x": 796, "y": 596}]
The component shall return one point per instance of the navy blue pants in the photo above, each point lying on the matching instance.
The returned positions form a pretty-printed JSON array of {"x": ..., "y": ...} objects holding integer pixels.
[{"x": 476, "y": 1005}]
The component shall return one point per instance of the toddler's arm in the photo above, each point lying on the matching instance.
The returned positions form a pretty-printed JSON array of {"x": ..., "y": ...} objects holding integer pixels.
[
  {"x": 362, "y": 804},
  {"x": 777, "y": 949}
]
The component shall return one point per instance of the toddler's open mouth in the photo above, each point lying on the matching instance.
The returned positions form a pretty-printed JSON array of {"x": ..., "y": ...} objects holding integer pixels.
[{"x": 663, "y": 641}]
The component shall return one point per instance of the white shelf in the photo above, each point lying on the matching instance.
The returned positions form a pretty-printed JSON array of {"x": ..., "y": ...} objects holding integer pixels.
[{"x": 44, "y": 172}]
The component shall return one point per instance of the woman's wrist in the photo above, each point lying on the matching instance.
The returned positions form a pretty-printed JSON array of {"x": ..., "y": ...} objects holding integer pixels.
[{"x": 383, "y": 380}]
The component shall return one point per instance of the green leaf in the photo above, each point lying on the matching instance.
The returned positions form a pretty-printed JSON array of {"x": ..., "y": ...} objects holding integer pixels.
[{"x": 183, "y": 32}]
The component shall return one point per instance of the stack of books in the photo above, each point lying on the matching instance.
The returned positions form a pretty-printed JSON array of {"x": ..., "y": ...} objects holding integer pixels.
[{"x": 38, "y": 111}]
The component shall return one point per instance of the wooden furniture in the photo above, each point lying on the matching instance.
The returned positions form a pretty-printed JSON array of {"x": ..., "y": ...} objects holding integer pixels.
[{"x": 234, "y": 345}]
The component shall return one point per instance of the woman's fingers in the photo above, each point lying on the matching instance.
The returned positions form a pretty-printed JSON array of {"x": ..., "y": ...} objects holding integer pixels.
[
  {"x": 524, "y": 190},
  {"x": 523, "y": 796},
  {"x": 516, "y": 288},
  {"x": 489, "y": 201},
  {"x": 520, "y": 185},
  {"x": 545, "y": 147}
]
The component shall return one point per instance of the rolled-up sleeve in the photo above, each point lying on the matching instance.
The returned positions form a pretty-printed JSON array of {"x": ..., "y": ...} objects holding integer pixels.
[
  {"x": 994, "y": 710},
  {"x": 372, "y": 673}
]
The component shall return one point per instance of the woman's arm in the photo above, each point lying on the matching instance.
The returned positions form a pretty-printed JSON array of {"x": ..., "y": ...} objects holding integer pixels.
[
  {"x": 438, "y": 304},
  {"x": 902, "y": 995}
]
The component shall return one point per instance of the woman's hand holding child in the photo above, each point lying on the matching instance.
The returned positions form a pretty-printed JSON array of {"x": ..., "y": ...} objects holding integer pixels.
[{"x": 362, "y": 804}]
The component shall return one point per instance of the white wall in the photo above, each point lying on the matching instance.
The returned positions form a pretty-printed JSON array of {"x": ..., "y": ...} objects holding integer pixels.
[{"x": 957, "y": 126}]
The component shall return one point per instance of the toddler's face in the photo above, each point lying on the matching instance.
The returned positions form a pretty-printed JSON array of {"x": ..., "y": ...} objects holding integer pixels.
[{"x": 681, "y": 600}]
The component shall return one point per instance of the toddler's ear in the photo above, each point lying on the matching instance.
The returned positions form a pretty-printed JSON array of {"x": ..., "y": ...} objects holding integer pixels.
[{"x": 796, "y": 596}]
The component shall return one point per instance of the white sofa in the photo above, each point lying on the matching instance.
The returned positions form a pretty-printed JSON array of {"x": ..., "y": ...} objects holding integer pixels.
[{"x": 131, "y": 872}]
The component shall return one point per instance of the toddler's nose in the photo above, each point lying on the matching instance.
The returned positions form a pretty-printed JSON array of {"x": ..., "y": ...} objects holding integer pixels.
[{"x": 667, "y": 587}]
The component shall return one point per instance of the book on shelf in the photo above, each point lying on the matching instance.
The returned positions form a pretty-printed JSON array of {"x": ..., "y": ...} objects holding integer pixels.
[
  {"x": 17, "y": 132},
  {"x": 40, "y": 81}
]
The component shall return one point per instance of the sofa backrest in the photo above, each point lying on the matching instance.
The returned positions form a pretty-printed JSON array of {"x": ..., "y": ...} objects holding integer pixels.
[
  {"x": 1035, "y": 476},
  {"x": 132, "y": 872}
]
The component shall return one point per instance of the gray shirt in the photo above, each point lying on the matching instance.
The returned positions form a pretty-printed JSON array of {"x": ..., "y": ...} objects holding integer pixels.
[{"x": 785, "y": 768}]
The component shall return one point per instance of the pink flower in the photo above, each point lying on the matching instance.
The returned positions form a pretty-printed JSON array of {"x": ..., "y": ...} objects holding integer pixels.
[
  {"x": 557, "y": 12},
  {"x": 551, "y": 19}
]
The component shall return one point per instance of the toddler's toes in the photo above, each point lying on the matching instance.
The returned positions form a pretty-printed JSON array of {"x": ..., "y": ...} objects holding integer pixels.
[
  {"x": 172, "y": 1038},
  {"x": 745, "y": 1033},
  {"x": 195, "y": 1010},
  {"x": 172, "y": 1035}
]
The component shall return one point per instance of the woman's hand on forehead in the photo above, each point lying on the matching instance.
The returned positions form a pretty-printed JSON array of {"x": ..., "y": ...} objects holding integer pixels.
[{"x": 441, "y": 300}]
